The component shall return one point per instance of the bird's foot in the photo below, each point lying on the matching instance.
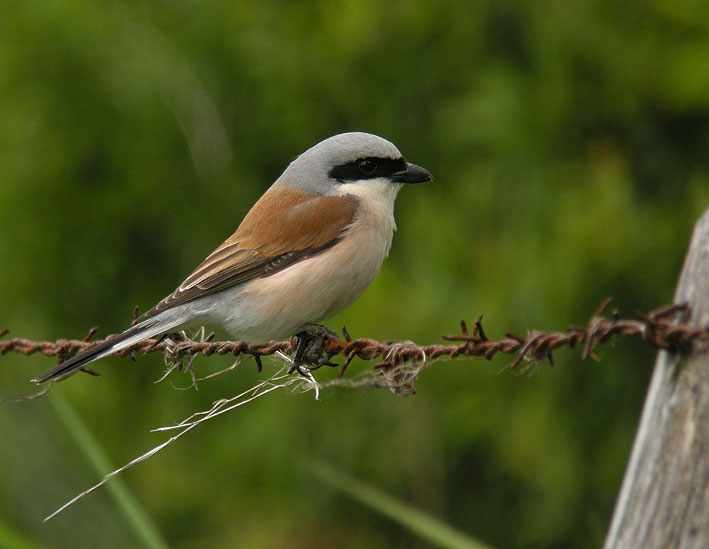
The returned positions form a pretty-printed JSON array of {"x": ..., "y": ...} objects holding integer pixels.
[{"x": 309, "y": 352}]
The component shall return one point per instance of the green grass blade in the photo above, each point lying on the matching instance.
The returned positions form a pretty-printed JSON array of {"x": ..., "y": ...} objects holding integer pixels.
[
  {"x": 129, "y": 506},
  {"x": 427, "y": 527}
]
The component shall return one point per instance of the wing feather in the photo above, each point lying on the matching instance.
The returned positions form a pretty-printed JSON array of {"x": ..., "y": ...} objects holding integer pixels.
[{"x": 283, "y": 227}]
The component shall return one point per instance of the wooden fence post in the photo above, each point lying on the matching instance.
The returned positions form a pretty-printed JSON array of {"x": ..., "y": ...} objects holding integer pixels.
[{"x": 664, "y": 499}]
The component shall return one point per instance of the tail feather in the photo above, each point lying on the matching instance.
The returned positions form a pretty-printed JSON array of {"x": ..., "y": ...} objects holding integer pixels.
[{"x": 132, "y": 335}]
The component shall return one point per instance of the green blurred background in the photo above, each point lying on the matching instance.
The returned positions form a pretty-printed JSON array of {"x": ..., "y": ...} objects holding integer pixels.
[{"x": 570, "y": 146}]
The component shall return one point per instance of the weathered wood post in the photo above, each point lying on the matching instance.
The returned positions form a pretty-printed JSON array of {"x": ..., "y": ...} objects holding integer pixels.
[{"x": 664, "y": 499}]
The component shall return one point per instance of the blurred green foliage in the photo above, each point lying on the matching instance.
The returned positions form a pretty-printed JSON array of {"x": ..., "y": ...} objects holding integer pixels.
[{"x": 570, "y": 146}]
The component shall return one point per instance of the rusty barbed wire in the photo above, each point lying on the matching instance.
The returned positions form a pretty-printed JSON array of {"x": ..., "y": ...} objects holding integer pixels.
[{"x": 663, "y": 328}]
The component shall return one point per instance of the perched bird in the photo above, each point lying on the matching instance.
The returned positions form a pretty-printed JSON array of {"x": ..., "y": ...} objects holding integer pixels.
[{"x": 306, "y": 250}]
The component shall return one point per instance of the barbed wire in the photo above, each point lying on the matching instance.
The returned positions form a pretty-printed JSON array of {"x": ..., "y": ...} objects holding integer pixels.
[
  {"x": 663, "y": 328},
  {"x": 399, "y": 366}
]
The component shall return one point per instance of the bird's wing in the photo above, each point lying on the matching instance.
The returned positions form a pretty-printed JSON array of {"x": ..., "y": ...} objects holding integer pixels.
[{"x": 283, "y": 227}]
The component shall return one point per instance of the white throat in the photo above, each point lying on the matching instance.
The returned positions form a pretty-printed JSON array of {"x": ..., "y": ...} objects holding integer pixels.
[{"x": 375, "y": 193}]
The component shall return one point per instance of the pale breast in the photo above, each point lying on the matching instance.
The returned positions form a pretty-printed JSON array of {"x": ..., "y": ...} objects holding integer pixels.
[{"x": 277, "y": 306}]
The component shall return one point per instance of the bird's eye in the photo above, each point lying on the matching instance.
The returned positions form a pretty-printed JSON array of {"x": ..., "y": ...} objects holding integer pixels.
[{"x": 367, "y": 166}]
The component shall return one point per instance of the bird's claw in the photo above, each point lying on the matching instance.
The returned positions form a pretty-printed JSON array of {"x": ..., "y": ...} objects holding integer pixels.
[{"x": 309, "y": 353}]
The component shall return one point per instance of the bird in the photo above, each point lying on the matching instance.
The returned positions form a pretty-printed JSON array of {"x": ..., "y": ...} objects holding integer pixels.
[{"x": 306, "y": 250}]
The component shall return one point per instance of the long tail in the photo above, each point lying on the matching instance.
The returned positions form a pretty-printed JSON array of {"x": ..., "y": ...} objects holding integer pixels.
[{"x": 139, "y": 332}]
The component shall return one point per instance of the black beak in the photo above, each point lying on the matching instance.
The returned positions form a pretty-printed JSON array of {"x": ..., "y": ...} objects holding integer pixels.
[{"x": 412, "y": 174}]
